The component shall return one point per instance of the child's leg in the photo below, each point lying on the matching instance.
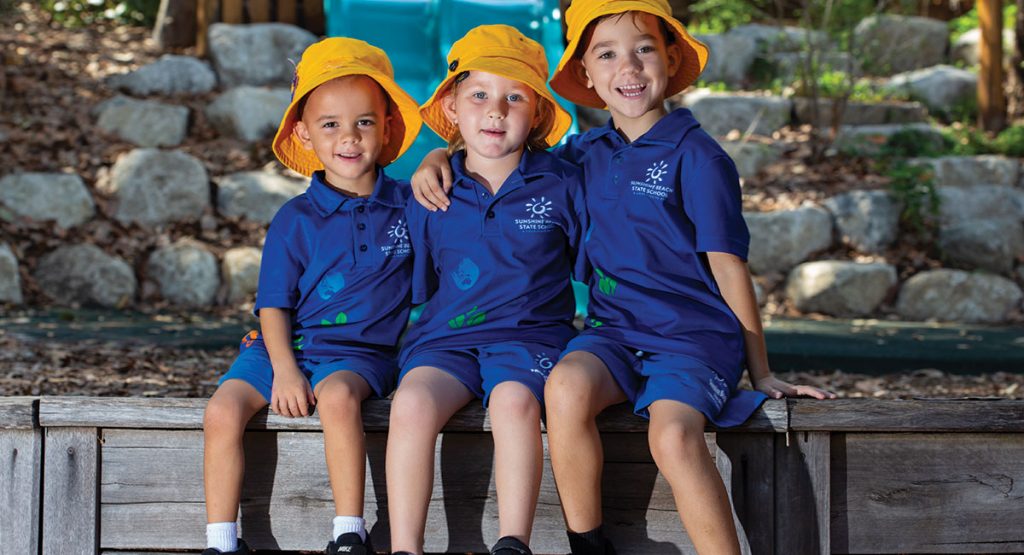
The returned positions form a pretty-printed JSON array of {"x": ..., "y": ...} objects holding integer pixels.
[
  {"x": 578, "y": 389},
  {"x": 518, "y": 456},
  {"x": 676, "y": 437},
  {"x": 426, "y": 399},
  {"x": 227, "y": 413},
  {"x": 339, "y": 403}
]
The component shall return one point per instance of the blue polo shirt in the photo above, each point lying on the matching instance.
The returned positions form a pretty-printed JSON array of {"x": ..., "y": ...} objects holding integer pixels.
[
  {"x": 497, "y": 267},
  {"x": 342, "y": 265},
  {"x": 656, "y": 205}
]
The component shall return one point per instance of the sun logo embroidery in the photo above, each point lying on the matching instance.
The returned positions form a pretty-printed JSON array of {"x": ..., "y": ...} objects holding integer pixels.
[
  {"x": 399, "y": 232},
  {"x": 542, "y": 365},
  {"x": 657, "y": 171},
  {"x": 539, "y": 209}
]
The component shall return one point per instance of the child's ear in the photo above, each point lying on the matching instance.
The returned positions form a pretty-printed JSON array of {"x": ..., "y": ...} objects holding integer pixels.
[
  {"x": 675, "y": 58},
  {"x": 448, "y": 107},
  {"x": 387, "y": 129},
  {"x": 301, "y": 133},
  {"x": 581, "y": 73}
]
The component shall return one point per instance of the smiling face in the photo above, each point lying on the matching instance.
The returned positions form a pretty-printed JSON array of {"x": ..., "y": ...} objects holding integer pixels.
[
  {"x": 494, "y": 115},
  {"x": 345, "y": 123},
  {"x": 628, "y": 64}
]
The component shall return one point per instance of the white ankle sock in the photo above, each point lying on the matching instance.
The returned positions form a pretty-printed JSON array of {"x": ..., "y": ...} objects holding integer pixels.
[
  {"x": 222, "y": 536},
  {"x": 349, "y": 524}
]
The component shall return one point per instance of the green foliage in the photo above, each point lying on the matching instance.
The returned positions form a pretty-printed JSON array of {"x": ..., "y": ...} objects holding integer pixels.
[
  {"x": 718, "y": 16},
  {"x": 967, "y": 141},
  {"x": 713, "y": 86},
  {"x": 1010, "y": 142},
  {"x": 969, "y": 20},
  {"x": 914, "y": 187},
  {"x": 911, "y": 143},
  {"x": 79, "y": 13}
]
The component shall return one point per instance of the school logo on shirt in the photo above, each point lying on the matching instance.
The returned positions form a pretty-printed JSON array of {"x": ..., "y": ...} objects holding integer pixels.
[
  {"x": 542, "y": 365},
  {"x": 651, "y": 185},
  {"x": 466, "y": 274},
  {"x": 330, "y": 285},
  {"x": 399, "y": 233},
  {"x": 538, "y": 212}
]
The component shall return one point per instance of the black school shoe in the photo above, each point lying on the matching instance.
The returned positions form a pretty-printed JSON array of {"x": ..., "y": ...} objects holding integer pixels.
[
  {"x": 350, "y": 544},
  {"x": 510, "y": 546},
  {"x": 242, "y": 549}
]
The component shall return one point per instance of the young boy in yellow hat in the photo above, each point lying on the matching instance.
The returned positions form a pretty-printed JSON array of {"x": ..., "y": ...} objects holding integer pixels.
[
  {"x": 672, "y": 315},
  {"x": 496, "y": 269},
  {"x": 334, "y": 284}
]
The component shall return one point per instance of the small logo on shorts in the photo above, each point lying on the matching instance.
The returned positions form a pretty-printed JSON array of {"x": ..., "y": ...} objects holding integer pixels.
[
  {"x": 719, "y": 389},
  {"x": 542, "y": 365}
]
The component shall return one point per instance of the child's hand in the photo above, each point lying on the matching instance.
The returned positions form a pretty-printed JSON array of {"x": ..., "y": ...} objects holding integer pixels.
[
  {"x": 432, "y": 181},
  {"x": 777, "y": 389},
  {"x": 290, "y": 394}
]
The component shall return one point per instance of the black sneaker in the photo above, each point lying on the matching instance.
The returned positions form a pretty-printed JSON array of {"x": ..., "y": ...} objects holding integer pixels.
[
  {"x": 242, "y": 549},
  {"x": 350, "y": 544},
  {"x": 510, "y": 546}
]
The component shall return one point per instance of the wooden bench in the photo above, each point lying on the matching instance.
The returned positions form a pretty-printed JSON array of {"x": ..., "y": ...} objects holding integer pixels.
[{"x": 113, "y": 475}]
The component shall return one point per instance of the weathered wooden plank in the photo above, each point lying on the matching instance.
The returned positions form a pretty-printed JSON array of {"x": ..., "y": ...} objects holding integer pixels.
[
  {"x": 259, "y": 11},
  {"x": 928, "y": 493},
  {"x": 71, "y": 458},
  {"x": 286, "y": 12},
  {"x": 19, "y": 413},
  {"x": 21, "y": 458},
  {"x": 231, "y": 11},
  {"x": 152, "y": 494},
  {"x": 802, "y": 474},
  {"x": 173, "y": 413},
  {"x": 746, "y": 462},
  {"x": 932, "y": 415}
]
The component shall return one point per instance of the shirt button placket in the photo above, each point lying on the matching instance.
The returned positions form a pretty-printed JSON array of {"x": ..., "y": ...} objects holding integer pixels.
[{"x": 362, "y": 239}]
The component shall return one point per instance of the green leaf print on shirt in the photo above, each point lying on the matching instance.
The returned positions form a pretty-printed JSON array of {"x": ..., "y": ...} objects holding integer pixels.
[
  {"x": 297, "y": 343},
  {"x": 341, "y": 318},
  {"x": 472, "y": 318},
  {"x": 606, "y": 284},
  {"x": 594, "y": 323}
]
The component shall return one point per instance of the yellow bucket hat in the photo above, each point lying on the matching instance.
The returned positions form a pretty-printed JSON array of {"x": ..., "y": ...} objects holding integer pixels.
[
  {"x": 337, "y": 57},
  {"x": 500, "y": 50},
  {"x": 581, "y": 12}
]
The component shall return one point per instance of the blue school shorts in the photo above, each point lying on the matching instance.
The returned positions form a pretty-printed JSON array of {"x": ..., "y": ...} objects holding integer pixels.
[
  {"x": 253, "y": 367},
  {"x": 480, "y": 370},
  {"x": 648, "y": 377}
]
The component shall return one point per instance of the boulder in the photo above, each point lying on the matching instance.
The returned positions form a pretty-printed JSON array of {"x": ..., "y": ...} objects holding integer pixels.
[
  {"x": 248, "y": 113},
  {"x": 144, "y": 123},
  {"x": 241, "y": 272},
  {"x": 967, "y": 205},
  {"x": 10, "y": 279},
  {"x": 967, "y": 48},
  {"x": 720, "y": 113},
  {"x": 839, "y": 288},
  {"x": 859, "y": 113},
  {"x": 186, "y": 273},
  {"x": 968, "y": 171},
  {"x": 61, "y": 197},
  {"x": 780, "y": 240},
  {"x": 890, "y": 44},
  {"x": 958, "y": 296},
  {"x": 257, "y": 53},
  {"x": 986, "y": 244},
  {"x": 733, "y": 56},
  {"x": 256, "y": 196},
  {"x": 866, "y": 220},
  {"x": 155, "y": 187},
  {"x": 84, "y": 274},
  {"x": 868, "y": 140},
  {"x": 170, "y": 75},
  {"x": 751, "y": 157},
  {"x": 941, "y": 88}
]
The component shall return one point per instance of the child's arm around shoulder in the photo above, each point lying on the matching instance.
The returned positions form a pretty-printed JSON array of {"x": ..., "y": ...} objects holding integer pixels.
[
  {"x": 432, "y": 181},
  {"x": 733, "y": 278}
]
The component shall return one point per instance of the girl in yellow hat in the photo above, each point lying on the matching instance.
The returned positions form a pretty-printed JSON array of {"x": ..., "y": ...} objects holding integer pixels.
[
  {"x": 672, "y": 319},
  {"x": 496, "y": 268}
]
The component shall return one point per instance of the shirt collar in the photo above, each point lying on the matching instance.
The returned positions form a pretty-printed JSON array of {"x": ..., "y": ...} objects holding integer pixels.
[
  {"x": 531, "y": 165},
  {"x": 668, "y": 131},
  {"x": 327, "y": 200}
]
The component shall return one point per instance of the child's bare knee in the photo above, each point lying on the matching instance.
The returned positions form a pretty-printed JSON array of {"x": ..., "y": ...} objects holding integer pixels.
[
  {"x": 513, "y": 402},
  {"x": 677, "y": 438},
  {"x": 338, "y": 399},
  {"x": 223, "y": 416}
]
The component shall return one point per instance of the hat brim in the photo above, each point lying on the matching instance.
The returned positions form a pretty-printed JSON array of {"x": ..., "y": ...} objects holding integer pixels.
[
  {"x": 404, "y": 126},
  {"x": 433, "y": 113},
  {"x": 566, "y": 80}
]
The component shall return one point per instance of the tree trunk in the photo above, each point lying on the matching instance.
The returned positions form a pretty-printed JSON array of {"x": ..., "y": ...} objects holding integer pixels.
[
  {"x": 1016, "y": 77},
  {"x": 175, "y": 24}
]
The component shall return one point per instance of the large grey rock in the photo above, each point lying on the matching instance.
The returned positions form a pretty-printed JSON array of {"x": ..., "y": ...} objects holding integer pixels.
[
  {"x": 257, "y": 54},
  {"x": 256, "y": 196},
  {"x": 248, "y": 113},
  {"x": 957, "y": 296},
  {"x": 170, "y": 75},
  {"x": 965, "y": 205},
  {"x": 61, "y": 197},
  {"x": 859, "y": 113},
  {"x": 719, "y": 113},
  {"x": 144, "y": 123},
  {"x": 868, "y": 140},
  {"x": 788, "y": 38},
  {"x": 185, "y": 272},
  {"x": 10, "y": 279},
  {"x": 967, "y": 48},
  {"x": 941, "y": 88},
  {"x": 241, "y": 272},
  {"x": 731, "y": 59},
  {"x": 868, "y": 221},
  {"x": 789, "y": 66},
  {"x": 840, "y": 288},
  {"x": 155, "y": 187},
  {"x": 751, "y": 157},
  {"x": 84, "y": 274},
  {"x": 968, "y": 171},
  {"x": 780, "y": 240},
  {"x": 986, "y": 244},
  {"x": 891, "y": 44}
]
